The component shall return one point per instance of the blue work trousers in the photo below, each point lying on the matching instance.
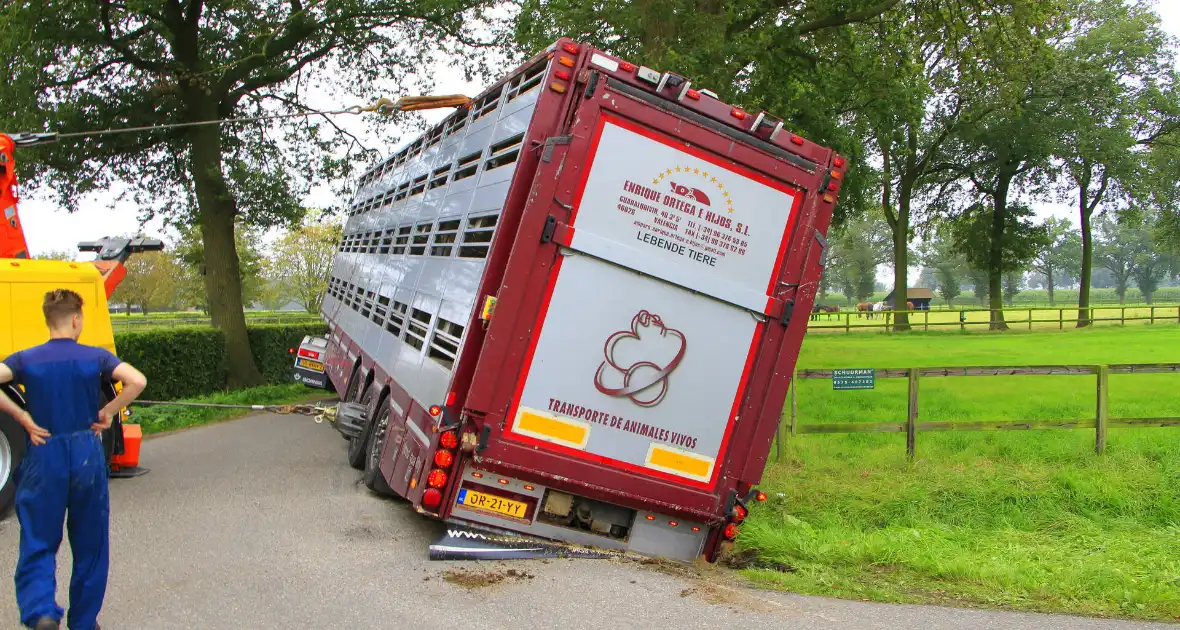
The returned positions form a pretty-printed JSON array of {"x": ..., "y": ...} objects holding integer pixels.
[{"x": 63, "y": 480}]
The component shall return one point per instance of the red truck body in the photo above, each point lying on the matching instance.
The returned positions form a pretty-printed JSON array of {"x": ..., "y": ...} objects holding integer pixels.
[{"x": 613, "y": 240}]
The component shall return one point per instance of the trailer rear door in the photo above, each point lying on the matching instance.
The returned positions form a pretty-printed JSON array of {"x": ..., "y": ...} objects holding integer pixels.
[{"x": 638, "y": 355}]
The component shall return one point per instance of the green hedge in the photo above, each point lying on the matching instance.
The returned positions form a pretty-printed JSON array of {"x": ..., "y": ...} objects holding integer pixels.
[{"x": 188, "y": 361}]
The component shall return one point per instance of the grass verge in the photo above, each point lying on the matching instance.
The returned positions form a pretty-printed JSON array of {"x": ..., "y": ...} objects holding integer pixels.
[
  {"x": 158, "y": 418},
  {"x": 1022, "y": 520}
]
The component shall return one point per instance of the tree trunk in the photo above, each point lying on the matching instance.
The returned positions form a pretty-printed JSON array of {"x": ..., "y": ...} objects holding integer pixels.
[
  {"x": 223, "y": 283},
  {"x": 901, "y": 263},
  {"x": 1087, "y": 262},
  {"x": 995, "y": 266},
  {"x": 1049, "y": 284}
]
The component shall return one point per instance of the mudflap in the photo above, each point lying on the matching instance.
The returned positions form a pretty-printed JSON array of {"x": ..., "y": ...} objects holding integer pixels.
[{"x": 462, "y": 543}]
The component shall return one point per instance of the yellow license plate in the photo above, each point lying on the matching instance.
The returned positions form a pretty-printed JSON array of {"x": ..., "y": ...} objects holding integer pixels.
[
  {"x": 492, "y": 503},
  {"x": 311, "y": 365}
]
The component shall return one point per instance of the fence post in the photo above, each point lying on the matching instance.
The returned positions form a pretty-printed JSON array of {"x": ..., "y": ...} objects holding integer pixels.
[
  {"x": 927, "y": 325},
  {"x": 848, "y": 322},
  {"x": 1101, "y": 415},
  {"x": 911, "y": 425},
  {"x": 1030, "y": 319},
  {"x": 794, "y": 400},
  {"x": 1060, "y": 319},
  {"x": 1123, "y": 317},
  {"x": 1152, "y": 320}
]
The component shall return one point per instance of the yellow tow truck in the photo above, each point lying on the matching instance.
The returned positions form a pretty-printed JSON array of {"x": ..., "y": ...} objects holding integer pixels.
[{"x": 23, "y": 284}]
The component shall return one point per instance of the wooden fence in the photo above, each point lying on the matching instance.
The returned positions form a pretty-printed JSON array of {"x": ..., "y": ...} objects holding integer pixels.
[
  {"x": 966, "y": 318},
  {"x": 911, "y": 427}
]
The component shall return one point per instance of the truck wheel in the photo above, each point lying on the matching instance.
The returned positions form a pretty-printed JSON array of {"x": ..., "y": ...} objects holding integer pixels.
[
  {"x": 356, "y": 446},
  {"x": 374, "y": 479},
  {"x": 13, "y": 442}
]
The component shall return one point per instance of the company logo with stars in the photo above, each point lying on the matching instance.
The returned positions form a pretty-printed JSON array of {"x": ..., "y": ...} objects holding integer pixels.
[{"x": 700, "y": 196}]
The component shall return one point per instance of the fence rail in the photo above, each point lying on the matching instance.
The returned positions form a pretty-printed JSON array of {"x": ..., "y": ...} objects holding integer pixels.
[
  {"x": 912, "y": 426},
  {"x": 965, "y": 318}
]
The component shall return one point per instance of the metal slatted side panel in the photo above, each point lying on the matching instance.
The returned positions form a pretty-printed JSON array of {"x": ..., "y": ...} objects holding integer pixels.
[{"x": 407, "y": 270}]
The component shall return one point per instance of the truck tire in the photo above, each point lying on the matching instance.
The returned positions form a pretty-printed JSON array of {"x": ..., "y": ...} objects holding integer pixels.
[
  {"x": 373, "y": 477},
  {"x": 13, "y": 442},
  {"x": 356, "y": 446}
]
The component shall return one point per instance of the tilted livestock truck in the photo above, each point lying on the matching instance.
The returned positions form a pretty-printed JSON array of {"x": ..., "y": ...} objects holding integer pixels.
[{"x": 571, "y": 309}]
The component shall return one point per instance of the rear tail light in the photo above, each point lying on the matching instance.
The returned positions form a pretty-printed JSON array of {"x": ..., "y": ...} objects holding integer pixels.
[
  {"x": 739, "y": 513},
  {"x": 431, "y": 498},
  {"x": 730, "y": 532},
  {"x": 450, "y": 399},
  {"x": 443, "y": 459},
  {"x": 448, "y": 440},
  {"x": 435, "y": 410},
  {"x": 436, "y": 479}
]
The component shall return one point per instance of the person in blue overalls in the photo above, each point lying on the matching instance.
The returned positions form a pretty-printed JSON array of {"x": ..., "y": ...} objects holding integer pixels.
[{"x": 63, "y": 477}]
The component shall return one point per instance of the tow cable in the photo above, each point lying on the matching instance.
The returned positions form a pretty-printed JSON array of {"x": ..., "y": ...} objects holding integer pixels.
[{"x": 319, "y": 412}]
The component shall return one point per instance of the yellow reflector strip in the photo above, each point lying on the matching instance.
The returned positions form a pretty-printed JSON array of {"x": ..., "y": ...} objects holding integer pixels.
[
  {"x": 678, "y": 462},
  {"x": 551, "y": 428}
]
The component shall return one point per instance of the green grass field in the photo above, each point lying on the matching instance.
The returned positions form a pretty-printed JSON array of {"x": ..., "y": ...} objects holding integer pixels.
[
  {"x": 1029, "y": 520},
  {"x": 1017, "y": 319},
  {"x": 157, "y": 419}
]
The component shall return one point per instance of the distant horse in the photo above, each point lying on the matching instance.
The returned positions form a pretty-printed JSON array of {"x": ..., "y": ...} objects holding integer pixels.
[
  {"x": 863, "y": 308},
  {"x": 829, "y": 310},
  {"x": 909, "y": 306},
  {"x": 879, "y": 307}
]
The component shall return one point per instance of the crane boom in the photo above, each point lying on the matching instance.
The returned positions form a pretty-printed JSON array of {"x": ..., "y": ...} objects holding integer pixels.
[{"x": 12, "y": 237}]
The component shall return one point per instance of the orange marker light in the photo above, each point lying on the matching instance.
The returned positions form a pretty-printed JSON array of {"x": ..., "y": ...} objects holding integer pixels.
[{"x": 566, "y": 61}]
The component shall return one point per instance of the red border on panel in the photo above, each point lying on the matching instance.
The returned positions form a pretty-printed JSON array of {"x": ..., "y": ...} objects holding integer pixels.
[{"x": 797, "y": 197}]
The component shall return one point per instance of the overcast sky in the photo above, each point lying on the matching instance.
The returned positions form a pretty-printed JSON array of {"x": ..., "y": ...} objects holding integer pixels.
[{"x": 49, "y": 228}]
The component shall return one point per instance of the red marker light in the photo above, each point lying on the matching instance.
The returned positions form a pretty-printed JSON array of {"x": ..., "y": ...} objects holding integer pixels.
[
  {"x": 673, "y": 523},
  {"x": 738, "y": 114},
  {"x": 650, "y": 517},
  {"x": 290, "y": 350},
  {"x": 529, "y": 488},
  {"x": 435, "y": 410},
  {"x": 448, "y": 440},
  {"x": 564, "y": 75},
  {"x": 731, "y": 531},
  {"x": 695, "y": 528},
  {"x": 503, "y": 482},
  {"x": 796, "y": 140},
  {"x": 477, "y": 475},
  {"x": 443, "y": 459},
  {"x": 626, "y": 67},
  {"x": 570, "y": 48},
  {"x": 739, "y": 513},
  {"x": 436, "y": 479},
  {"x": 431, "y": 498},
  {"x": 761, "y": 496},
  {"x": 693, "y": 94},
  {"x": 838, "y": 162}
]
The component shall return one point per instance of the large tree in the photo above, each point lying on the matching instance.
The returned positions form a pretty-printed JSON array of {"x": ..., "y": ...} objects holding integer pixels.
[
  {"x": 1122, "y": 102},
  {"x": 151, "y": 282},
  {"x": 81, "y": 65}
]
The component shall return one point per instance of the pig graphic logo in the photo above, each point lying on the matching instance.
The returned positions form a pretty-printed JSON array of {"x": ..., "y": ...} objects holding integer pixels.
[
  {"x": 638, "y": 361},
  {"x": 687, "y": 192}
]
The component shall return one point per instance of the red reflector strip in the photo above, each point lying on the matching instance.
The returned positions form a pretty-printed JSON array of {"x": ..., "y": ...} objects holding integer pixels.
[{"x": 450, "y": 399}]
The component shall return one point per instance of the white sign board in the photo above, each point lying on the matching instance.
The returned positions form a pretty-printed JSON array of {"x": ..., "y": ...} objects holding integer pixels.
[{"x": 681, "y": 214}]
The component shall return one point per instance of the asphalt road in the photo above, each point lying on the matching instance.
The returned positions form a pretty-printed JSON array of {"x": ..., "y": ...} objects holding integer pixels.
[{"x": 260, "y": 523}]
